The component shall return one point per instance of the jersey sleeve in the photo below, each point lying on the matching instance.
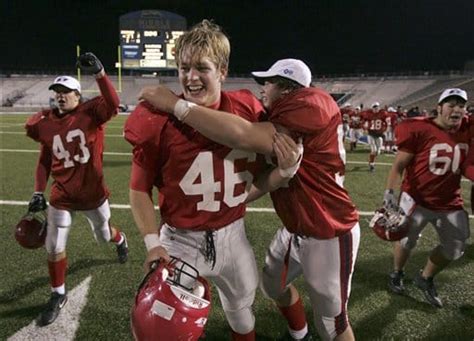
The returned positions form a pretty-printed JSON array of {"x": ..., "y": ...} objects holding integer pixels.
[
  {"x": 104, "y": 107},
  {"x": 405, "y": 137},
  {"x": 245, "y": 104},
  {"x": 307, "y": 113},
  {"x": 143, "y": 131},
  {"x": 31, "y": 126}
]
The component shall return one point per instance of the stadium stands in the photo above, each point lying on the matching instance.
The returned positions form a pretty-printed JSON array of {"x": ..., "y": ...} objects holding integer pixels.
[{"x": 25, "y": 92}]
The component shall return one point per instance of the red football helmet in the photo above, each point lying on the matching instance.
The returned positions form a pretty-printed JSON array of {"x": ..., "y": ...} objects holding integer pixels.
[
  {"x": 390, "y": 223},
  {"x": 172, "y": 303},
  {"x": 30, "y": 232}
]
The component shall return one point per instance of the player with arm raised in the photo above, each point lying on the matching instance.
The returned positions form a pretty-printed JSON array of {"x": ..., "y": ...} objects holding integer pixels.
[
  {"x": 320, "y": 219},
  {"x": 71, "y": 139}
]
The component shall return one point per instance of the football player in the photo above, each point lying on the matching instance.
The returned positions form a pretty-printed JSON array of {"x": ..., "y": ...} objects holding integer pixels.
[
  {"x": 71, "y": 139},
  {"x": 346, "y": 111},
  {"x": 202, "y": 185},
  {"x": 375, "y": 123},
  {"x": 392, "y": 121},
  {"x": 321, "y": 233},
  {"x": 355, "y": 128},
  {"x": 430, "y": 153}
]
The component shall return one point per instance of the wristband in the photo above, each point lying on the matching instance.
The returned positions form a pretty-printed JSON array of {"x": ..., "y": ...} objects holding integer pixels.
[
  {"x": 182, "y": 108},
  {"x": 151, "y": 240}
]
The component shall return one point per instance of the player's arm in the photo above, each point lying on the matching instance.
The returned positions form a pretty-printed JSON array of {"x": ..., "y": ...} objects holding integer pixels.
[
  {"x": 88, "y": 62},
  {"x": 289, "y": 155},
  {"x": 402, "y": 160},
  {"x": 144, "y": 214},
  {"x": 224, "y": 128},
  {"x": 43, "y": 169}
]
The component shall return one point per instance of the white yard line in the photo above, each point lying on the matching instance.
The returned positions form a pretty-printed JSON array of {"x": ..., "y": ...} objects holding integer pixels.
[
  {"x": 67, "y": 323},
  {"x": 127, "y": 207},
  {"x": 23, "y": 133}
]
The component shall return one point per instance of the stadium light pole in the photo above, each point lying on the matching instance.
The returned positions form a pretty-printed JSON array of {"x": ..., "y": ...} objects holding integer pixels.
[
  {"x": 78, "y": 53},
  {"x": 118, "y": 65}
]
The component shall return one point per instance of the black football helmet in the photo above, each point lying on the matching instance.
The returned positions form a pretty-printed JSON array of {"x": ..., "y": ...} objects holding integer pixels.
[
  {"x": 390, "y": 223},
  {"x": 172, "y": 303},
  {"x": 30, "y": 232}
]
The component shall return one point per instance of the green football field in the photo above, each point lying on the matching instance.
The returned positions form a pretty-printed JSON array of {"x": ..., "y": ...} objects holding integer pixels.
[{"x": 101, "y": 291}]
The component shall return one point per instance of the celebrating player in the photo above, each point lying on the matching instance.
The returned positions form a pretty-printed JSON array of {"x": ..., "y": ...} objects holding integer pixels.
[
  {"x": 430, "y": 153},
  {"x": 202, "y": 185},
  {"x": 321, "y": 223},
  {"x": 72, "y": 143},
  {"x": 375, "y": 123},
  {"x": 355, "y": 128}
]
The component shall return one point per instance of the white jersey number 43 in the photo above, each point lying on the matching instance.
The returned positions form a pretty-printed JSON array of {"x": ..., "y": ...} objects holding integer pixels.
[{"x": 203, "y": 168}]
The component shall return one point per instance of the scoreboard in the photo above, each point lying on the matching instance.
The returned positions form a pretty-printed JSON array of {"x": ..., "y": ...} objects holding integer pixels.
[{"x": 147, "y": 39}]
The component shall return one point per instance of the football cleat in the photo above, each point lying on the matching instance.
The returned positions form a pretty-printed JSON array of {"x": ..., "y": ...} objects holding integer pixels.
[
  {"x": 122, "y": 250},
  {"x": 30, "y": 232},
  {"x": 172, "y": 303},
  {"x": 395, "y": 282},
  {"x": 53, "y": 307},
  {"x": 390, "y": 223},
  {"x": 426, "y": 285}
]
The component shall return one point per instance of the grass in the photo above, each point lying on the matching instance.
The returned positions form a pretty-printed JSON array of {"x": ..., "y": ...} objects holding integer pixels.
[{"x": 375, "y": 313}]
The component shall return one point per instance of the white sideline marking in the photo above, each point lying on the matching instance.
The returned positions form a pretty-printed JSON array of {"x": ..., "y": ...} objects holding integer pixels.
[
  {"x": 127, "y": 207},
  {"x": 22, "y": 133},
  {"x": 67, "y": 323},
  {"x": 37, "y": 151}
]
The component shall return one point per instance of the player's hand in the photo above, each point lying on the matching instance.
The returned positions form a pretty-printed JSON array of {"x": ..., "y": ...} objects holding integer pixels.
[
  {"x": 88, "y": 62},
  {"x": 159, "y": 97},
  {"x": 289, "y": 154},
  {"x": 389, "y": 199},
  {"x": 37, "y": 202},
  {"x": 154, "y": 254}
]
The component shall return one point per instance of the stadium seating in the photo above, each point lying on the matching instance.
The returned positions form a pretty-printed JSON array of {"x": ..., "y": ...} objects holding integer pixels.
[{"x": 25, "y": 92}]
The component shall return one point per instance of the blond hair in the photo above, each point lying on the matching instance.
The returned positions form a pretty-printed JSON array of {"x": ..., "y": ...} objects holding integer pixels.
[{"x": 205, "y": 39}]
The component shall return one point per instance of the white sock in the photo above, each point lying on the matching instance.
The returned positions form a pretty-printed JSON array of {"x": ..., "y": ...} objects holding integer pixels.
[
  {"x": 60, "y": 290},
  {"x": 298, "y": 334}
]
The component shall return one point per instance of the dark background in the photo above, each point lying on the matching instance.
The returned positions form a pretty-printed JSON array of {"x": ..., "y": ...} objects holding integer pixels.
[{"x": 331, "y": 36}]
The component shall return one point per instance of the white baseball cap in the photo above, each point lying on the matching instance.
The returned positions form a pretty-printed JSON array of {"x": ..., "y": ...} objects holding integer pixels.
[
  {"x": 67, "y": 82},
  {"x": 391, "y": 109},
  {"x": 375, "y": 104},
  {"x": 293, "y": 69},
  {"x": 452, "y": 92}
]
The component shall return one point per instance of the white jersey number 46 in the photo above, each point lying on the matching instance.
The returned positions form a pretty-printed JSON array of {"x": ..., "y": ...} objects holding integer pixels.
[{"x": 202, "y": 169}]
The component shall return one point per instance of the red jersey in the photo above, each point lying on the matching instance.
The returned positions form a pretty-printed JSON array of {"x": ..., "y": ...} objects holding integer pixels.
[
  {"x": 375, "y": 122},
  {"x": 315, "y": 203},
  {"x": 392, "y": 120},
  {"x": 202, "y": 184},
  {"x": 433, "y": 177},
  {"x": 346, "y": 114},
  {"x": 355, "y": 121},
  {"x": 71, "y": 150}
]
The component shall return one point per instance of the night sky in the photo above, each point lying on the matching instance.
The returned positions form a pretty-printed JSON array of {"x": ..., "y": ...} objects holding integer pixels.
[{"x": 331, "y": 36}]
